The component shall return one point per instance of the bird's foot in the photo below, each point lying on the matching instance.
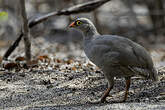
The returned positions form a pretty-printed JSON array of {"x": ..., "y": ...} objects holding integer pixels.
[
  {"x": 124, "y": 100},
  {"x": 98, "y": 102},
  {"x": 94, "y": 102},
  {"x": 103, "y": 100},
  {"x": 118, "y": 101}
]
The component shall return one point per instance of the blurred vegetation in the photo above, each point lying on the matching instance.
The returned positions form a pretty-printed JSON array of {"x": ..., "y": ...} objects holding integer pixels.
[
  {"x": 3, "y": 16},
  {"x": 140, "y": 20}
]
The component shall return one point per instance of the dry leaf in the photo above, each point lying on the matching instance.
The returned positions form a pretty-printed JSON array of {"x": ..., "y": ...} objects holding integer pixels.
[
  {"x": 11, "y": 65},
  {"x": 32, "y": 63},
  {"x": 58, "y": 60},
  {"x": 69, "y": 61},
  {"x": 43, "y": 58},
  {"x": 74, "y": 68},
  {"x": 20, "y": 59},
  {"x": 80, "y": 64}
]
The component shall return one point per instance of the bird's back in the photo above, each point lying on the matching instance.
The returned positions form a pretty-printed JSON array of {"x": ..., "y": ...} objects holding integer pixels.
[{"x": 125, "y": 52}]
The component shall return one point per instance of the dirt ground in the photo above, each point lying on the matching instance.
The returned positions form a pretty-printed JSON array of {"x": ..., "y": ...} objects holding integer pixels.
[{"x": 66, "y": 80}]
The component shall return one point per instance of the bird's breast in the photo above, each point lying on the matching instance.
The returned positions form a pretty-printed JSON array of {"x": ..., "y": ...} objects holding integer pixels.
[{"x": 94, "y": 53}]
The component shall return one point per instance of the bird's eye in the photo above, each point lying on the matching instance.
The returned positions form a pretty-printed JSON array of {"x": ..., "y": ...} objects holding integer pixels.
[{"x": 78, "y": 23}]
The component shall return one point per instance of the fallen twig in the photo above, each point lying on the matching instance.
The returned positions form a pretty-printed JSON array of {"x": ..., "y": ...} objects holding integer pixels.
[
  {"x": 25, "y": 31},
  {"x": 13, "y": 46}
]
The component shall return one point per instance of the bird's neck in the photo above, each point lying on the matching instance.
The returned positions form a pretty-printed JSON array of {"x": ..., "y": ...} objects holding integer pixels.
[{"x": 91, "y": 33}]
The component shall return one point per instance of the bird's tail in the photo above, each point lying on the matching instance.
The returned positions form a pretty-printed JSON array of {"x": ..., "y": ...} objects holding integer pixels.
[
  {"x": 154, "y": 75},
  {"x": 146, "y": 73}
]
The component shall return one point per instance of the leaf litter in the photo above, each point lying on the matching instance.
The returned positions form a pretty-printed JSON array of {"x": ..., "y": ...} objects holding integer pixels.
[{"x": 53, "y": 78}]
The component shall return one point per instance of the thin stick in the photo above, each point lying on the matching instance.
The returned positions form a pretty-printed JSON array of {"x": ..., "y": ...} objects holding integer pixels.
[
  {"x": 80, "y": 8},
  {"x": 13, "y": 46},
  {"x": 25, "y": 31}
]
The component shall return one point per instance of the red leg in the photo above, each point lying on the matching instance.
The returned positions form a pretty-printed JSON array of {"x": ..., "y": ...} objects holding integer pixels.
[
  {"x": 106, "y": 93},
  {"x": 128, "y": 82}
]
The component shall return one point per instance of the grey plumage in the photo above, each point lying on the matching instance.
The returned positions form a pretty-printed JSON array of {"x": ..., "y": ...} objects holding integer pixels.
[
  {"x": 116, "y": 56},
  {"x": 109, "y": 51}
]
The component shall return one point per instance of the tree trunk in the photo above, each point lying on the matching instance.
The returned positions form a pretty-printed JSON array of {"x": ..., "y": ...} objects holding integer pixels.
[
  {"x": 26, "y": 34},
  {"x": 156, "y": 11}
]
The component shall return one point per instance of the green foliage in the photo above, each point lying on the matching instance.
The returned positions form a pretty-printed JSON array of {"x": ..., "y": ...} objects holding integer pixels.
[{"x": 3, "y": 16}]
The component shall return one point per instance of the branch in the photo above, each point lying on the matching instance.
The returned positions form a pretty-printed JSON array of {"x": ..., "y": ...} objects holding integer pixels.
[
  {"x": 25, "y": 31},
  {"x": 81, "y": 8},
  {"x": 13, "y": 46}
]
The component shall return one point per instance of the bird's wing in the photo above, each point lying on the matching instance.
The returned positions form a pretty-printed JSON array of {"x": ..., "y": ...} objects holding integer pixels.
[{"x": 125, "y": 52}]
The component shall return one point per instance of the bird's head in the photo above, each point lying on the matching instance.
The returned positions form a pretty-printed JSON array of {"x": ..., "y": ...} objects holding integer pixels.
[{"x": 83, "y": 24}]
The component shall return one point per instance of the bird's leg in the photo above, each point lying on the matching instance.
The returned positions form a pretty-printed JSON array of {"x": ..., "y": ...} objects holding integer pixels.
[
  {"x": 128, "y": 82},
  {"x": 106, "y": 93}
]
